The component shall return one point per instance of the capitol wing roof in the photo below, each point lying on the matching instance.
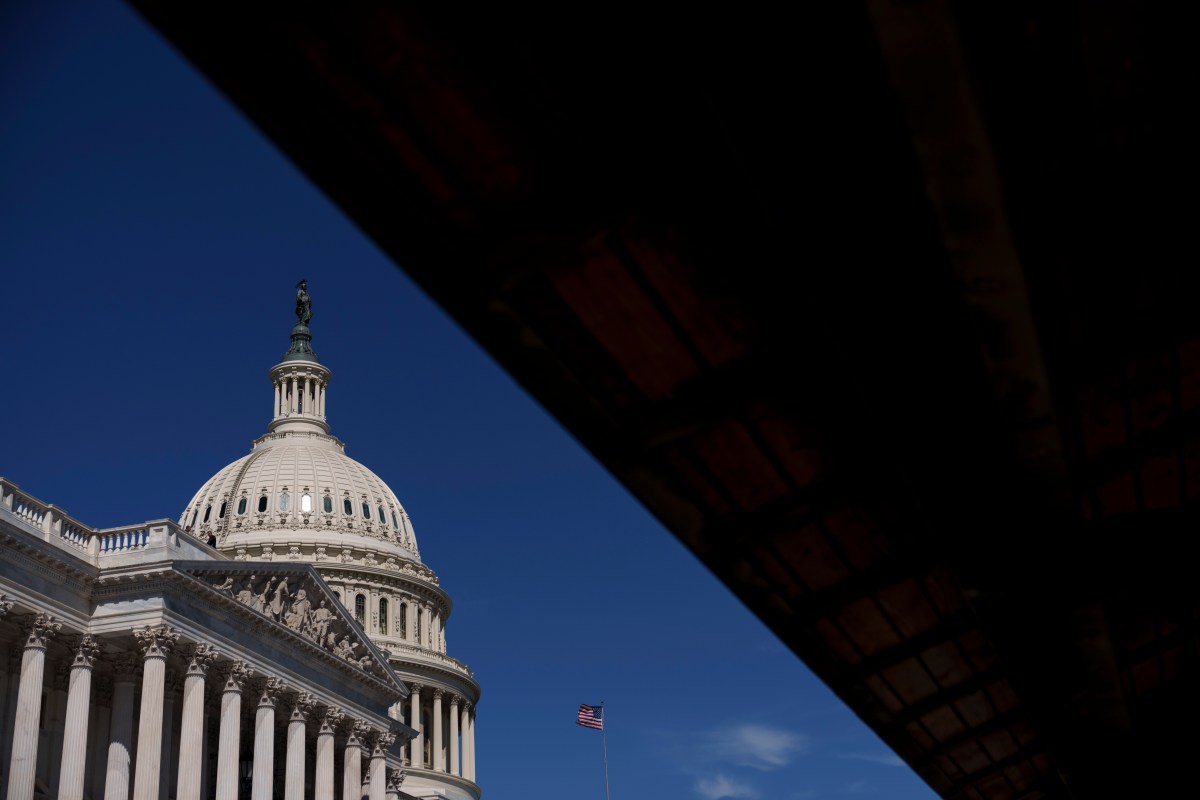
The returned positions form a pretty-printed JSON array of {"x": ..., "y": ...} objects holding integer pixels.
[{"x": 296, "y": 610}]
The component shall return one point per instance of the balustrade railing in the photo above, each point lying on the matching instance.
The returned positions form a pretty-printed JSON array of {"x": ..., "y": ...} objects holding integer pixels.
[{"x": 57, "y": 527}]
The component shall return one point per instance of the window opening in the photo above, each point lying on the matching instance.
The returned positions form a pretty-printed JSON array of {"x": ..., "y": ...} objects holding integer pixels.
[
  {"x": 241, "y": 506},
  {"x": 262, "y": 504},
  {"x": 306, "y": 502},
  {"x": 383, "y": 616},
  {"x": 360, "y": 609}
]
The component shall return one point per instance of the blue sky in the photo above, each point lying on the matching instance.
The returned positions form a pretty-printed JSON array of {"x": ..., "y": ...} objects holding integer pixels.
[{"x": 150, "y": 240}]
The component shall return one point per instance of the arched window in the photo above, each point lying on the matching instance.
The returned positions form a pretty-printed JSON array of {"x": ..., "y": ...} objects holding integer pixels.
[
  {"x": 327, "y": 504},
  {"x": 242, "y": 505},
  {"x": 284, "y": 501},
  {"x": 262, "y": 504},
  {"x": 347, "y": 507},
  {"x": 383, "y": 616},
  {"x": 221, "y": 510},
  {"x": 207, "y": 513},
  {"x": 305, "y": 503},
  {"x": 382, "y": 517},
  {"x": 395, "y": 524},
  {"x": 360, "y": 609},
  {"x": 366, "y": 510}
]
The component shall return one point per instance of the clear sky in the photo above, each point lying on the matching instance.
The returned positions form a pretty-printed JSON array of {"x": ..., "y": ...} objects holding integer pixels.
[{"x": 150, "y": 242}]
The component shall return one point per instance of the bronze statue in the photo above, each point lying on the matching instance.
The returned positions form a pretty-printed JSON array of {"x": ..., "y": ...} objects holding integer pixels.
[{"x": 303, "y": 303}]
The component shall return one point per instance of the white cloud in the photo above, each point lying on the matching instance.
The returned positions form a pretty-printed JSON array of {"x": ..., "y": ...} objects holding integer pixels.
[
  {"x": 759, "y": 746},
  {"x": 721, "y": 786},
  {"x": 887, "y": 759}
]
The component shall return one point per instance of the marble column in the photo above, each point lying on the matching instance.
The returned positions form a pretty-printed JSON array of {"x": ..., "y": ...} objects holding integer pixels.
[
  {"x": 323, "y": 776},
  {"x": 235, "y": 674},
  {"x": 352, "y": 762},
  {"x": 455, "y": 765},
  {"x": 120, "y": 737},
  {"x": 262, "y": 783},
  {"x": 468, "y": 733},
  {"x": 410, "y": 622},
  {"x": 36, "y": 630},
  {"x": 417, "y": 747},
  {"x": 54, "y": 724},
  {"x": 439, "y": 760},
  {"x": 377, "y": 770},
  {"x": 84, "y": 650},
  {"x": 423, "y": 632},
  {"x": 156, "y": 642},
  {"x": 395, "y": 780},
  {"x": 198, "y": 657},
  {"x": 302, "y": 709}
]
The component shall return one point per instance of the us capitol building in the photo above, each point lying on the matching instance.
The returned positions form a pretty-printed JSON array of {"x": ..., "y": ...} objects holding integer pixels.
[{"x": 283, "y": 639}]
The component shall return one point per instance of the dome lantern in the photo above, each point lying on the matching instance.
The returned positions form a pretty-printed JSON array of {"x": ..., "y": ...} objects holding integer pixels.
[{"x": 300, "y": 379}]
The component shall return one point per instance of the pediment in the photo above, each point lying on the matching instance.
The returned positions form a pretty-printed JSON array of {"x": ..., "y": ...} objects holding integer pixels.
[{"x": 298, "y": 603}]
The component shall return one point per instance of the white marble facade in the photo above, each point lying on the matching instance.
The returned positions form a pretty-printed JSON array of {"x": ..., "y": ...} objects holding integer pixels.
[
  {"x": 302, "y": 655},
  {"x": 139, "y": 663}
]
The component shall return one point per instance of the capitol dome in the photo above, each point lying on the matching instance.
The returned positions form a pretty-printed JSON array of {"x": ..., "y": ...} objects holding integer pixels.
[
  {"x": 297, "y": 496},
  {"x": 302, "y": 481}
]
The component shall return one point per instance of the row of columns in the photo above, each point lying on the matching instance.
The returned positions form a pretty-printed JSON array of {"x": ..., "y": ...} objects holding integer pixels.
[
  {"x": 156, "y": 643},
  {"x": 290, "y": 390},
  {"x": 462, "y": 720}
]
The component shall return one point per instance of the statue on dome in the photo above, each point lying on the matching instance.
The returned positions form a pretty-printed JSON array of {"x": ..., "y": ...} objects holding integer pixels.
[{"x": 303, "y": 303}]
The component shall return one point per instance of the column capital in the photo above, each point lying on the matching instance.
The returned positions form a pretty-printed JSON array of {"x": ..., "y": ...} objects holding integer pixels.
[
  {"x": 125, "y": 667},
  {"x": 234, "y": 674},
  {"x": 438, "y": 694},
  {"x": 198, "y": 657},
  {"x": 467, "y": 706},
  {"x": 396, "y": 779},
  {"x": 5, "y": 604},
  {"x": 38, "y": 630},
  {"x": 455, "y": 700},
  {"x": 331, "y": 720},
  {"x": 84, "y": 650},
  {"x": 303, "y": 705},
  {"x": 382, "y": 742},
  {"x": 269, "y": 690},
  {"x": 156, "y": 641},
  {"x": 356, "y": 731},
  {"x": 416, "y": 688}
]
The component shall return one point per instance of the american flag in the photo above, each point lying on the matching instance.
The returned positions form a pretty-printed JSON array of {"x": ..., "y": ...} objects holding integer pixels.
[{"x": 591, "y": 717}]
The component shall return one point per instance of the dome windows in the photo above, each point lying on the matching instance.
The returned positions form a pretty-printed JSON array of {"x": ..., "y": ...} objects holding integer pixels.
[
  {"x": 382, "y": 516},
  {"x": 366, "y": 510},
  {"x": 284, "y": 500},
  {"x": 221, "y": 511},
  {"x": 241, "y": 508},
  {"x": 347, "y": 507},
  {"x": 327, "y": 504},
  {"x": 262, "y": 504},
  {"x": 207, "y": 512},
  {"x": 395, "y": 524},
  {"x": 306, "y": 503}
]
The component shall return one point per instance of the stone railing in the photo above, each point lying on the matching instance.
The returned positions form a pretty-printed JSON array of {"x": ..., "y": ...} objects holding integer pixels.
[
  {"x": 93, "y": 544},
  {"x": 401, "y": 649}
]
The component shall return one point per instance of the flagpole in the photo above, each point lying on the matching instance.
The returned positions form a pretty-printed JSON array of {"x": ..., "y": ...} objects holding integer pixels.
[{"x": 604, "y": 740}]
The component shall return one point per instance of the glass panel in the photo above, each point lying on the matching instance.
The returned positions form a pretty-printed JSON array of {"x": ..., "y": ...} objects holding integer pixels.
[
  {"x": 366, "y": 510},
  {"x": 360, "y": 608},
  {"x": 383, "y": 616},
  {"x": 328, "y": 504},
  {"x": 207, "y": 513},
  {"x": 306, "y": 503},
  {"x": 395, "y": 524},
  {"x": 382, "y": 517},
  {"x": 221, "y": 511},
  {"x": 347, "y": 508},
  {"x": 284, "y": 501},
  {"x": 241, "y": 506},
  {"x": 262, "y": 504}
]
